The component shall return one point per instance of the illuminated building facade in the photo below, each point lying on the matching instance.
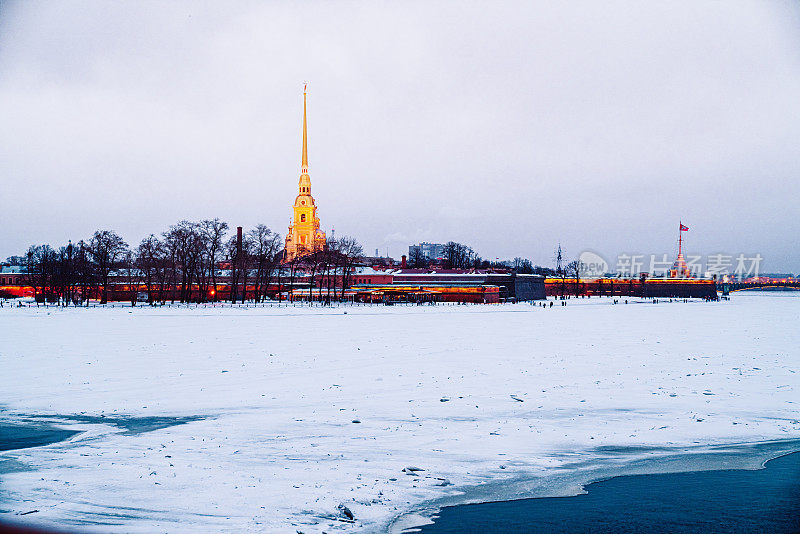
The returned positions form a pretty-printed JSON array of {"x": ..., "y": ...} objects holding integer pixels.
[{"x": 304, "y": 236}]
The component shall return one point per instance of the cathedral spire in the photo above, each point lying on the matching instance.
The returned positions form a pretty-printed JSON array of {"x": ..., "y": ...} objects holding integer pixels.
[
  {"x": 304, "y": 236},
  {"x": 305, "y": 142}
]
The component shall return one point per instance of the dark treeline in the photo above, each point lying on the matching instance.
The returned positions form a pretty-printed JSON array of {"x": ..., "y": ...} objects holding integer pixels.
[
  {"x": 184, "y": 263},
  {"x": 188, "y": 262},
  {"x": 460, "y": 256},
  {"x": 329, "y": 270}
]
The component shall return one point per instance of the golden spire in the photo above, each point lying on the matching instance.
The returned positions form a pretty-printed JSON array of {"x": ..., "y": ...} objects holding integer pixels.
[{"x": 305, "y": 143}]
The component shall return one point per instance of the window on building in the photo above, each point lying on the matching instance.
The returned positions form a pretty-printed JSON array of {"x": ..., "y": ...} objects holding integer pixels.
[{"x": 303, "y": 217}]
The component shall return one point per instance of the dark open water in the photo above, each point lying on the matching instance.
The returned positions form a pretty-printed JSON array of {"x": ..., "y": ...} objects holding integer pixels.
[
  {"x": 38, "y": 430},
  {"x": 766, "y": 500}
]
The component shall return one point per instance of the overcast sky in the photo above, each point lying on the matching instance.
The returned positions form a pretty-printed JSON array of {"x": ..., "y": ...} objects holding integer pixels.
[{"x": 506, "y": 126}]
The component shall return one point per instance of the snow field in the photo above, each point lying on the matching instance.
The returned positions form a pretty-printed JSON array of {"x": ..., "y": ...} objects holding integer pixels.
[{"x": 304, "y": 409}]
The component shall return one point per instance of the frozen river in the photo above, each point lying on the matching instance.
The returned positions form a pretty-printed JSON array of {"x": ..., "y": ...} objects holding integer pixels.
[{"x": 208, "y": 419}]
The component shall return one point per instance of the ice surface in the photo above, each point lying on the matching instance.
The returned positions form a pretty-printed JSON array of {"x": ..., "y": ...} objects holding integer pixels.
[{"x": 271, "y": 395}]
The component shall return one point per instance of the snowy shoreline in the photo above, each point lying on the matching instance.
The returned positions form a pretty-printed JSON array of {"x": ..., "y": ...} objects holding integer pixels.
[
  {"x": 738, "y": 456},
  {"x": 292, "y": 412}
]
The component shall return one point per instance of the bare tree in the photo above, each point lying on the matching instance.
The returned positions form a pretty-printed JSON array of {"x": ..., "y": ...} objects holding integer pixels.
[
  {"x": 150, "y": 261},
  {"x": 106, "y": 248},
  {"x": 350, "y": 252},
  {"x": 543, "y": 271},
  {"x": 239, "y": 258},
  {"x": 522, "y": 266},
  {"x": 85, "y": 272},
  {"x": 333, "y": 263},
  {"x": 213, "y": 235},
  {"x": 458, "y": 256},
  {"x": 54, "y": 275},
  {"x": 183, "y": 243},
  {"x": 39, "y": 265},
  {"x": 65, "y": 274},
  {"x": 416, "y": 259},
  {"x": 316, "y": 264},
  {"x": 575, "y": 269},
  {"x": 330, "y": 268},
  {"x": 293, "y": 266},
  {"x": 133, "y": 276},
  {"x": 266, "y": 249},
  {"x": 280, "y": 270}
]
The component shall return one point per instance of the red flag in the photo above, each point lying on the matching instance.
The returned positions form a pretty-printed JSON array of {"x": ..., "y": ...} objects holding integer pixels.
[{"x": 684, "y": 228}]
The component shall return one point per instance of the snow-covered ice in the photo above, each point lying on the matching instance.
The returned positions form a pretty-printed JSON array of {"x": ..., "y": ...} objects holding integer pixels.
[{"x": 297, "y": 412}]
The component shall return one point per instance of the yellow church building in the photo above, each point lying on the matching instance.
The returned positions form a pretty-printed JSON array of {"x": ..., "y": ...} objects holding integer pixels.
[{"x": 304, "y": 236}]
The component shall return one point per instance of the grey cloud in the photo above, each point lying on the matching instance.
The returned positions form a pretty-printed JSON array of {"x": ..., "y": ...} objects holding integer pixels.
[{"x": 508, "y": 126}]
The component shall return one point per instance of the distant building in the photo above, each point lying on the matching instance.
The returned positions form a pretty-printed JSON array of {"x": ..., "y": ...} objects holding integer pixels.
[
  {"x": 511, "y": 286},
  {"x": 379, "y": 261},
  {"x": 11, "y": 275},
  {"x": 680, "y": 269},
  {"x": 13, "y": 281},
  {"x": 428, "y": 251},
  {"x": 304, "y": 234}
]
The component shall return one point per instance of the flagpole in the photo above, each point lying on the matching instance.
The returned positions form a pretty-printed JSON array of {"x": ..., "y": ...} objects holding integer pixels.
[{"x": 680, "y": 236}]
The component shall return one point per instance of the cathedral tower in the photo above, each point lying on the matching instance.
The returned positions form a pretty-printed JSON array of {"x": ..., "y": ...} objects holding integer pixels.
[{"x": 304, "y": 236}]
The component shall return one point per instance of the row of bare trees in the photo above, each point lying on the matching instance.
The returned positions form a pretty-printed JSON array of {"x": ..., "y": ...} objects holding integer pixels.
[
  {"x": 456, "y": 256},
  {"x": 56, "y": 275},
  {"x": 184, "y": 262},
  {"x": 187, "y": 263},
  {"x": 461, "y": 256},
  {"x": 329, "y": 271}
]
